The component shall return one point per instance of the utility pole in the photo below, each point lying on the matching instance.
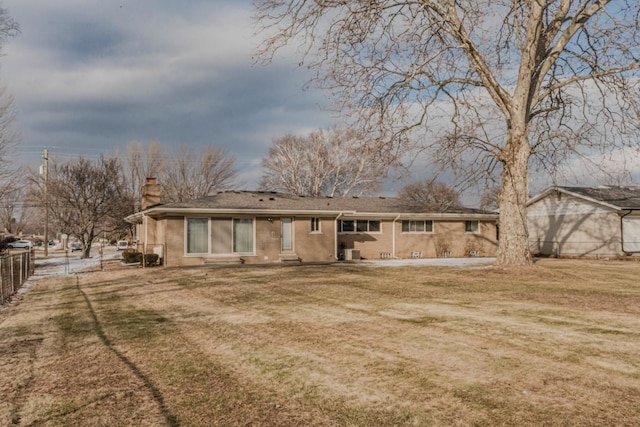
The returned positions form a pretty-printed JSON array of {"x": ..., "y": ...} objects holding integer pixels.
[{"x": 45, "y": 156}]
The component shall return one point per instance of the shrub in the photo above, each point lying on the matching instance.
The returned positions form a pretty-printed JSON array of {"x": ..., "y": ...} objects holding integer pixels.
[
  {"x": 152, "y": 259},
  {"x": 131, "y": 257}
]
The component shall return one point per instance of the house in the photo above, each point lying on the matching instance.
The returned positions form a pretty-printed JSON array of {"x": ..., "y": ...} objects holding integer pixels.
[
  {"x": 585, "y": 221},
  {"x": 267, "y": 227}
]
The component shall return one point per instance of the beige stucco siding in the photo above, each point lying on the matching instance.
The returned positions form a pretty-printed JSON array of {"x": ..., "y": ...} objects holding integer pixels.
[
  {"x": 565, "y": 225},
  {"x": 315, "y": 246},
  {"x": 447, "y": 239}
]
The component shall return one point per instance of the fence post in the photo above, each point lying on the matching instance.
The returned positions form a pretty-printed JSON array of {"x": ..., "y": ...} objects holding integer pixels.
[
  {"x": 13, "y": 290},
  {"x": 1, "y": 283}
]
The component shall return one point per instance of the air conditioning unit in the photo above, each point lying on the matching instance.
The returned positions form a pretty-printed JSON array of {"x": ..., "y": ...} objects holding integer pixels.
[{"x": 351, "y": 254}]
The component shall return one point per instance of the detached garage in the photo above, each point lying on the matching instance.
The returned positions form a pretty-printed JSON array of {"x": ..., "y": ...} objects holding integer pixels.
[{"x": 599, "y": 221}]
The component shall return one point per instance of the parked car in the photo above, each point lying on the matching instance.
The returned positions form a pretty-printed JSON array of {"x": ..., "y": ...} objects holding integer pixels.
[
  {"x": 20, "y": 244},
  {"x": 75, "y": 246},
  {"x": 122, "y": 244}
]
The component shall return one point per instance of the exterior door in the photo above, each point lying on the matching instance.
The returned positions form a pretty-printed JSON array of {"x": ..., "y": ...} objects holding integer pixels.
[{"x": 286, "y": 240}]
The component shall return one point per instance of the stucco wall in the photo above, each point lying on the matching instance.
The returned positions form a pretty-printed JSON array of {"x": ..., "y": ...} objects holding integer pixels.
[
  {"x": 308, "y": 246},
  {"x": 447, "y": 239}
]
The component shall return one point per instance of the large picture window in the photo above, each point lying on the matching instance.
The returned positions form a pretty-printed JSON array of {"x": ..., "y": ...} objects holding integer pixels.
[
  {"x": 243, "y": 235},
  {"x": 425, "y": 226},
  {"x": 197, "y": 235}
]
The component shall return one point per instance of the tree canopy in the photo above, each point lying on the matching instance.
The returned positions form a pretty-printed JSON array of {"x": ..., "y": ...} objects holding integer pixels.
[
  {"x": 487, "y": 86},
  {"x": 335, "y": 162}
]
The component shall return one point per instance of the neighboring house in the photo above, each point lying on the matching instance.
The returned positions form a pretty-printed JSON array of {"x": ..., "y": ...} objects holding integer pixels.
[
  {"x": 264, "y": 227},
  {"x": 585, "y": 221}
]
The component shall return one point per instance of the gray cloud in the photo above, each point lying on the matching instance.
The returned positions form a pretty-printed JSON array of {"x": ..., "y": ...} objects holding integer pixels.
[{"x": 89, "y": 76}]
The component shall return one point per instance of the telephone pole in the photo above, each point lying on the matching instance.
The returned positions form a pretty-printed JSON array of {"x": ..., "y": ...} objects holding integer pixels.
[{"x": 45, "y": 156}]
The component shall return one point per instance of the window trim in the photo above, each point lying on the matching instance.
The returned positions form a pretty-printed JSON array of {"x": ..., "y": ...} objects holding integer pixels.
[
  {"x": 316, "y": 225},
  {"x": 355, "y": 226},
  {"x": 468, "y": 229},
  {"x": 253, "y": 235},
  {"x": 423, "y": 221},
  {"x": 186, "y": 235}
]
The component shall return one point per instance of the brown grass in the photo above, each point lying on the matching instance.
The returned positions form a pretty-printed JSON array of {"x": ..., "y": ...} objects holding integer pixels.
[{"x": 327, "y": 346}]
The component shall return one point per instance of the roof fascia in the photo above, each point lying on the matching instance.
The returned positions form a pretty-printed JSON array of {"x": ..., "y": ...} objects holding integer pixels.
[{"x": 571, "y": 193}]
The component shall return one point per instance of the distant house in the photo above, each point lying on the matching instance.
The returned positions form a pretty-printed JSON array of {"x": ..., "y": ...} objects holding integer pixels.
[
  {"x": 585, "y": 221},
  {"x": 264, "y": 227}
]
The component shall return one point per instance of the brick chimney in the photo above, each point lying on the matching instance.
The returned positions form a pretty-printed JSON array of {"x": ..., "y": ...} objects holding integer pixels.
[{"x": 150, "y": 194}]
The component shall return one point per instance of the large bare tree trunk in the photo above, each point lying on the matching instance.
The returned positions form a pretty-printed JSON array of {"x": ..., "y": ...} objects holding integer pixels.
[{"x": 513, "y": 244}]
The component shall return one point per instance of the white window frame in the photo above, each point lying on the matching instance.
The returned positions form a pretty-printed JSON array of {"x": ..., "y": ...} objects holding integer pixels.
[
  {"x": 355, "y": 226},
  {"x": 253, "y": 236},
  {"x": 316, "y": 225},
  {"x": 186, "y": 236},
  {"x": 468, "y": 226},
  {"x": 415, "y": 221}
]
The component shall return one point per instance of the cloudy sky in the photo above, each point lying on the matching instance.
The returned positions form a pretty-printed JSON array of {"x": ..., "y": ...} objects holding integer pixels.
[{"x": 89, "y": 76}]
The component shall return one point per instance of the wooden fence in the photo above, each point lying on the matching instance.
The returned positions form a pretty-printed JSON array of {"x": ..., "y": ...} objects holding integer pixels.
[{"x": 15, "y": 269}]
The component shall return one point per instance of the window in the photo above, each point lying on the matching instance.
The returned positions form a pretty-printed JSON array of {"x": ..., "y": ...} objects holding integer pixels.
[
  {"x": 425, "y": 226},
  {"x": 315, "y": 225},
  {"x": 347, "y": 226},
  {"x": 243, "y": 235},
  {"x": 360, "y": 226},
  {"x": 197, "y": 235},
  {"x": 471, "y": 226}
]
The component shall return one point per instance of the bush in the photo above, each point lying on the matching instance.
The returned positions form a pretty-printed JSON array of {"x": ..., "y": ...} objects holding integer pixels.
[
  {"x": 131, "y": 257},
  {"x": 136, "y": 257},
  {"x": 152, "y": 259}
]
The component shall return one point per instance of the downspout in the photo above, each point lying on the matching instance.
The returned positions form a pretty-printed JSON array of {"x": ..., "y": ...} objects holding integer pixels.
[
  {"x": 335, "y": 236},
  {"x": 622, "y": 231},
  {"x": 145, "y": 223},
  {"x": 393, "y": 237}
]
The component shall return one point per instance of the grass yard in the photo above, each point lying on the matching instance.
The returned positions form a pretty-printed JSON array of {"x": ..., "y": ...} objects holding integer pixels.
[{"x": 327, "y": 346}]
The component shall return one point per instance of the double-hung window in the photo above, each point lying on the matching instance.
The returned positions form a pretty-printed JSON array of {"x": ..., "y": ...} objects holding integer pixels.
[
  {"x": 471, "y": 226},
  {"x": 315, "y": 225}
]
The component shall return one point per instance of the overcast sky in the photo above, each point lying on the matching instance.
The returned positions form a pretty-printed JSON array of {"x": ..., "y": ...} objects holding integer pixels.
[{"x": 89, "y": 76}]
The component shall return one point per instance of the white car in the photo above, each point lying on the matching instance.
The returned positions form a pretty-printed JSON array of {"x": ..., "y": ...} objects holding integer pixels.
[
  {"x": 122, "y": 244},
  {"x": 20, "y": 244}
]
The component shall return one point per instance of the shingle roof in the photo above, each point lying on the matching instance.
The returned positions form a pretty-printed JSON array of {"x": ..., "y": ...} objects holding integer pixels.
[
  {"x": 622, "y": 197},
  {"x": 264, "y": 200}
]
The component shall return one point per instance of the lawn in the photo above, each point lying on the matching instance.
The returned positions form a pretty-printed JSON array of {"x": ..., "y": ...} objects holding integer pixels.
[{"x": 558, "y": 344}]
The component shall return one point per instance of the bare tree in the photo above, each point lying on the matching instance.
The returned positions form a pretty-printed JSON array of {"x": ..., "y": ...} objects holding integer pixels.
[
  {"x": 191, "y": 175},
  {"x": 336, "y": 162},
  {"x": 86, "y": 198},
  {"x": 430, "y": 195},
  {"x": 142, "y": 163},
  {"x": 493, "y": 85}
]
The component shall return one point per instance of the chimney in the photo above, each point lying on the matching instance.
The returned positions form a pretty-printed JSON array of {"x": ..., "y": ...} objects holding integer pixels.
[{"x": 150, "y": 194}]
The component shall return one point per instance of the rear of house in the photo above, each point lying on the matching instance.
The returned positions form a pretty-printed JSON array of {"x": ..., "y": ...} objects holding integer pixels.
[{"x": 264, "y": 227}]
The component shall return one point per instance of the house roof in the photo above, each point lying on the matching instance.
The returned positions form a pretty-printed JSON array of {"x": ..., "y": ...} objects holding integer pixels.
[
  {"x": 273, "y": 202},
  {"x": 616, "y": 197}
]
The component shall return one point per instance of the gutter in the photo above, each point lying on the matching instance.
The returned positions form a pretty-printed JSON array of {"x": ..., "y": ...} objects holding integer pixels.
[{"x": 335, "y": 236}]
